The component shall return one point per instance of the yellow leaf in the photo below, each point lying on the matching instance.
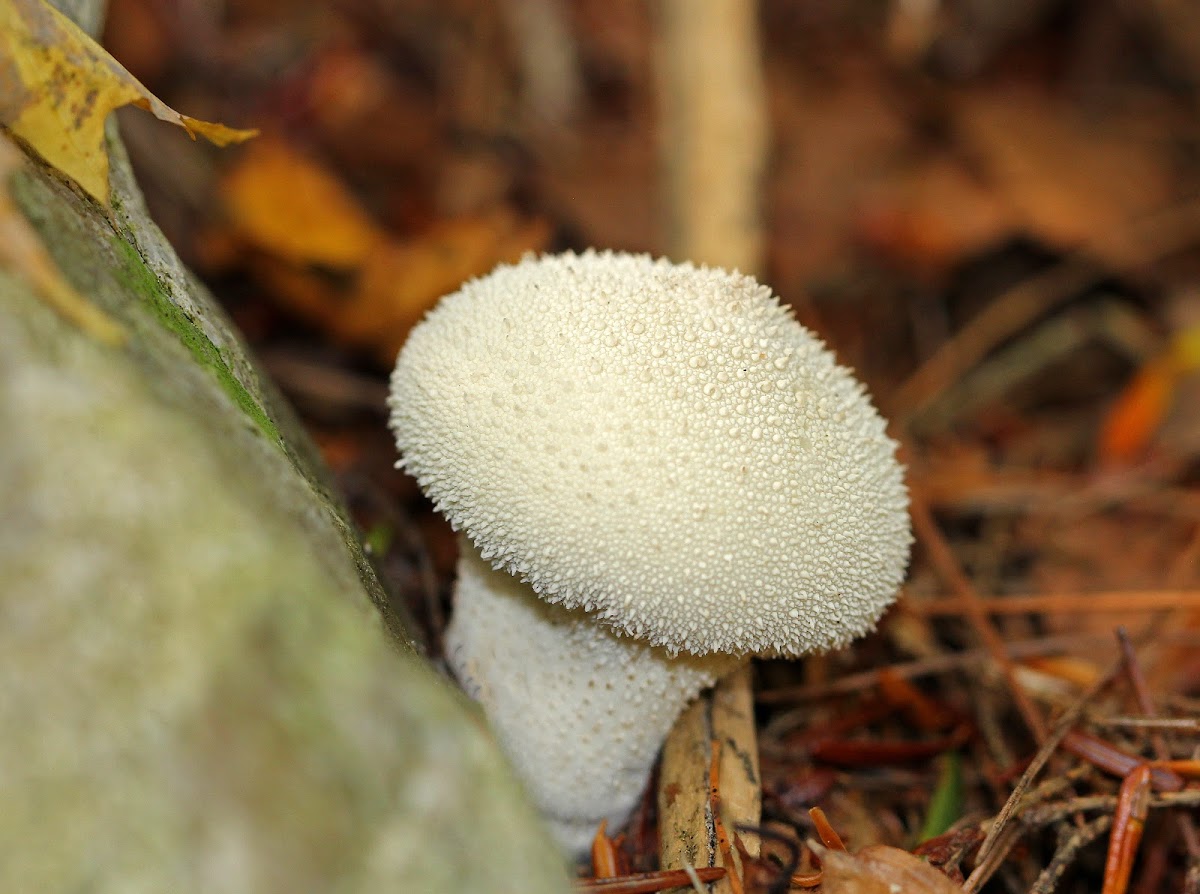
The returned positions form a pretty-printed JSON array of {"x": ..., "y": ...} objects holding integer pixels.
[
  {"x": 1185, "y": 349},
  {"x": 22, "y": 253},
  {"x": 289, "y": 206},
  {"x": 57, "y": 87}
]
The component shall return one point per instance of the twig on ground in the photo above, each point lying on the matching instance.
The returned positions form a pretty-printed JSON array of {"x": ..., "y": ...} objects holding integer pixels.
[
  {"x": 1059, "y": 603},
  {"x": 649, "y": 882},
  {"x": 1141, "y": 690},
  {"x": 687, "y": 828},
  {"x": 1053, "y": 811},
  {"x": 950, "y": 661},
  {"x": 1183, "y": 724},
  {"x": 985, "y": 864},
  {"x": 1072, "y": 839},
  {"x": 943, "y": 559},
  {"x": 714, "y": 800}
]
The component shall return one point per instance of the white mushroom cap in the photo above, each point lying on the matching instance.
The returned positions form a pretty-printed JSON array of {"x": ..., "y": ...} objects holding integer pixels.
[
  {"x": 580, "y": 711},
  {"x": 661, "y": 445}
]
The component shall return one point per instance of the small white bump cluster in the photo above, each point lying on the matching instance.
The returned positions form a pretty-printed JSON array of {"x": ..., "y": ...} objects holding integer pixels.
[{"x": 661, "y": 445}]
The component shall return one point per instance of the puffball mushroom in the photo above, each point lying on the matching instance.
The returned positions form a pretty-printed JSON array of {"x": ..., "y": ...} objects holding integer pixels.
[{"x": 658, "y": 473}]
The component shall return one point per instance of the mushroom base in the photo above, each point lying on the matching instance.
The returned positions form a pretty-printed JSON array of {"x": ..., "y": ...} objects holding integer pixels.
[{"x": 580, "y": 711}]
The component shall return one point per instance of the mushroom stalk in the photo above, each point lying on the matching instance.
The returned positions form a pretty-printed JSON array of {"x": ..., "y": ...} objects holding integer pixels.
[{"x": 580, "y": 711}]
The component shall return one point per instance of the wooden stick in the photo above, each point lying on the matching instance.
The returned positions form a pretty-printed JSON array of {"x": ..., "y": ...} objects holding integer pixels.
[
  {"x": 942, "y": 557},
  {"x": 714, "y": 131},
  {"x": 686, "y": 827},
  {"x": 741, "y": 785},
  {"x": 716, "y": 808},
  {"x": 647, "y": 882}
]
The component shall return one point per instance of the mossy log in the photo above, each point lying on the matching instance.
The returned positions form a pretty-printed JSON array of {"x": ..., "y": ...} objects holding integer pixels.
[{"x": 201, "y": 686}]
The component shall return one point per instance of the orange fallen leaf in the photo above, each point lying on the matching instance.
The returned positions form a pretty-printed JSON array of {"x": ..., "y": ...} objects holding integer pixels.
[
  {"x": 59, "y": 87},
  {"x": 303, "y": 224},
  {"x": 604, "y": 853},
  {"x": 289, "y": 206},
  {"x": 22, "y": 253},
  {"x": 399, "y": 281},
  {"x": 927, "y": 219},
  {"x": 1142, "y": 406},
  {"x": 402, "y": 280},
  {"x": 1136, "y": 414}
]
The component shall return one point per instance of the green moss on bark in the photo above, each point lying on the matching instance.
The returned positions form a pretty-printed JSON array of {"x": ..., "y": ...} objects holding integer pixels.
[{"x": 141, "y": 281}]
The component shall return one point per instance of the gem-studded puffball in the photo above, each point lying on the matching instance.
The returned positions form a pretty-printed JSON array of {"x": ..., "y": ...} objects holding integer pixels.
[{"x": 661, "y": 445}]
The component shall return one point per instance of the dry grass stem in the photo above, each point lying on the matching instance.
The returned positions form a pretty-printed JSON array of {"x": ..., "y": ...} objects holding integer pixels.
[
  {"x": 1072, "y": 840},
  {"x": 947, "y": 566},
  {"x": 984, "y": 866},
  {"x": 1060, "y": 603}
]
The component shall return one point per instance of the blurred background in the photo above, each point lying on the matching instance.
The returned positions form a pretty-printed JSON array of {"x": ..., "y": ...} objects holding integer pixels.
[{"x": 989, "y": 208}]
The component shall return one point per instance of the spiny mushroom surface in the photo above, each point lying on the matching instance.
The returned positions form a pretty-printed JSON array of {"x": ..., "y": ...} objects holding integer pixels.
[
  {"x": 581, "y": 711},
  {"x": 662, "y": 447}
]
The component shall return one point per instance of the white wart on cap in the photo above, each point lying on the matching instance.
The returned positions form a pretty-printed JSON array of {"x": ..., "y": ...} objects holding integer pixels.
[{"x": 661, "y": 445}]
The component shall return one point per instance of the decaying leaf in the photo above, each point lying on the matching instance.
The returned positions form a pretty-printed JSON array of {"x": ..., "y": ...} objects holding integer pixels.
[
  {"x": 1136, "y": 414},
  {"x": 22, "y": 253},
  {"x": 1142, "y": 406},
  {"x": 402, "y": 280},
  {"x": 880, "y": 869},
  {"x": 1068, "y": 179},
  {"x": 302, "y": 224},
  {"x": 926, "y": 219},
  {"x": 57, "y": 87},
  {"x": 373, "y": 306},
  {"x": 288, "y": 205}
]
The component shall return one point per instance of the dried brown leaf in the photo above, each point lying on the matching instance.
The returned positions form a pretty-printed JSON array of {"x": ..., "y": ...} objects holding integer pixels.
[{"x": 880, "y": 869}]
